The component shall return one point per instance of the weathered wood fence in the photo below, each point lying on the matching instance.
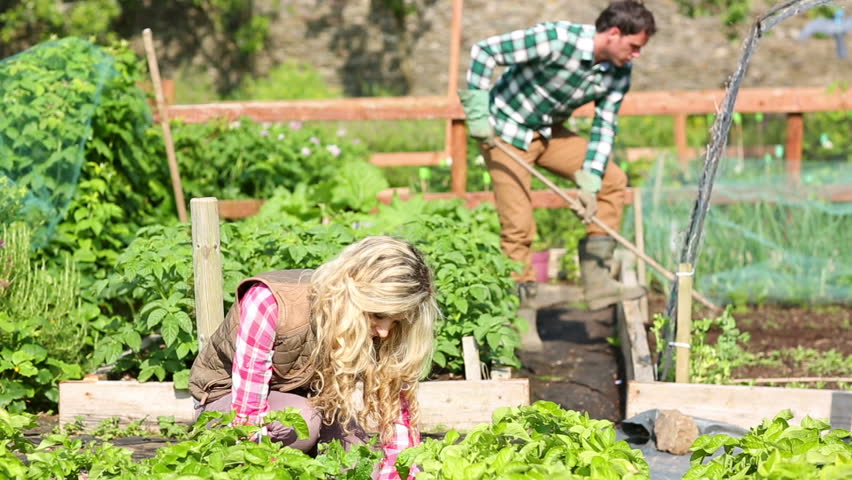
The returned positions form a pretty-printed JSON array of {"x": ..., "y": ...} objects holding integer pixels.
[{"x": 792, "y": 102}]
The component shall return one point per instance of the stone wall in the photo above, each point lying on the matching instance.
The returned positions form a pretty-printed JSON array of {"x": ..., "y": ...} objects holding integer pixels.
[{"x": 357, "y": 45}]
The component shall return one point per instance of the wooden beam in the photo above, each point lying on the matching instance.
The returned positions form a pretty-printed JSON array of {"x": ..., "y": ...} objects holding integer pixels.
[
  {"x": 458, "y": 150},
  {"x": 686, "y": 102},
  {"x": 233, "y": 209},
  {"x": 409, "y": 159},
  {"x": 740, "y": 405},
  {"x": 443, "y": 404},
  {"x": 749, "y": 100},
  {"x": 795, "y": 144},
  {"x": 630, "y": 323},
  {"x": 389, "y": 108},
  {"x": 97, "y": 401},
  {"x": 465, "y": 404}
]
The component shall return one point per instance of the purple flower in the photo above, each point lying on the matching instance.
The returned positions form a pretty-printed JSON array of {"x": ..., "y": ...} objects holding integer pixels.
[
  {"x": 314, "y": 140},
  {"x": 294, "y": 125},
  {"x": 2, "y": 243},
  {"x": 306, "y": 151},
  {"x": 264, "y": 133},
  {"x": 334, "y": 150}
]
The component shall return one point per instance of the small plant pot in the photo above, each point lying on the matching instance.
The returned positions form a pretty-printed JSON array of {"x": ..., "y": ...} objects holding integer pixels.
[{"x": 539, "y": 265}]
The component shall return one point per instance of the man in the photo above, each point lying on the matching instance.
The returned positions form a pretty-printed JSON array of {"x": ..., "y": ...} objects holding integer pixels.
[{"x": 554, "y": 68}]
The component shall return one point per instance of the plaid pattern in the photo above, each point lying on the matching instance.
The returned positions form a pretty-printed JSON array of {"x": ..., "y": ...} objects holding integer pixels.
[
  {"x": 551, "y": 73},
  {"x": 252, "y": 371},
  {"x": 252, "y": 366},
  {"x": 404, "y": 437}
]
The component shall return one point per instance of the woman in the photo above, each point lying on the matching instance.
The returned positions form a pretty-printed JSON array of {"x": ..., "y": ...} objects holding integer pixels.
[{"x": 345, "y": 344}]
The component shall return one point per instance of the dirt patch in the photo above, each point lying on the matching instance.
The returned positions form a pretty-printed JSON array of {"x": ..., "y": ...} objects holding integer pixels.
[
  {"x": 577, "y": 368},
  {"x": 799, "y": 341}
]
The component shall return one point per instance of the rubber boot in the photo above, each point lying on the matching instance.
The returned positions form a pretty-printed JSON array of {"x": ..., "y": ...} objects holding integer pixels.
[
  {"x": 600, "y": 289},
  {"x": 527, "y": 293}
]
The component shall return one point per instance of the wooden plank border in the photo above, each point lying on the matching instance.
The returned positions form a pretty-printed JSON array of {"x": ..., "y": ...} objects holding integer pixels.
[
  {"x": 444, "y": 404},
  {"x": 740, "y": 405},
  {"x": 744, "y": 406}
]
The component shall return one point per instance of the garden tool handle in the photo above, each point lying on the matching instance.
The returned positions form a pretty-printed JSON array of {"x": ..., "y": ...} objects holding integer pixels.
[{"x": 574, "y": 204}]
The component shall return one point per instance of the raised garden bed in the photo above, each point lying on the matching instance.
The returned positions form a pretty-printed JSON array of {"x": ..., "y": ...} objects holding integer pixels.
[{"x": 740, "y": 405}]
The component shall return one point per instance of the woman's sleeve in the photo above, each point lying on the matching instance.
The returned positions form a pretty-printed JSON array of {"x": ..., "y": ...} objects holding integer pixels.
[
  {"x": 404, "y": 437},
  {"x": 252, "y": 366}
]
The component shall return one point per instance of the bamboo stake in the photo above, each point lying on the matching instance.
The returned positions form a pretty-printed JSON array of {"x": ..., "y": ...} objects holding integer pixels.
[
  {"x": 574, "y": 204},
  {"x": 684, "y": 322},
  {"x": 639, "y": 226},
  {"x": 177, "y": 187},
  {"x": 207, "y": 266}
]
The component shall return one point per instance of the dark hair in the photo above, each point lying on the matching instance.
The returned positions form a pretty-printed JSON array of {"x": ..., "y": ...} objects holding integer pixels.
[{"x": 630, "y": 16}]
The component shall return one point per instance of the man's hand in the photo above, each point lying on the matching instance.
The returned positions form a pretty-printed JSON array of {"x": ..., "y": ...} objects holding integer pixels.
[
  {"x": 475, "y": 104},
  {"x": 589, "y": 184}
]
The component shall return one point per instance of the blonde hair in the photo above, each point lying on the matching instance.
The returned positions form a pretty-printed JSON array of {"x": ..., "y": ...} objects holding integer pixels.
[{"x": 377, "y": 275}]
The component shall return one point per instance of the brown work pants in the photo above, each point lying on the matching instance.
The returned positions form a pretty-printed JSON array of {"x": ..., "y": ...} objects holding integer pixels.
[{"x": 563, "y": 155}]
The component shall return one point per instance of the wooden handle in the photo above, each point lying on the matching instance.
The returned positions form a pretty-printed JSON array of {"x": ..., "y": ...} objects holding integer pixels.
[{"x": 177, "y": 187}]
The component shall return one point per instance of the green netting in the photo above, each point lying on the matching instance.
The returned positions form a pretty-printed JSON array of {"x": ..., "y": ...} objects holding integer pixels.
[
  {"x": 769, "y": 241},
  {"x": 48, "y": 96}
]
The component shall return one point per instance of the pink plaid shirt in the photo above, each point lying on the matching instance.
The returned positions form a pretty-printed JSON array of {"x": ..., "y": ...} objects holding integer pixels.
[{"x": 252, "y": 370}]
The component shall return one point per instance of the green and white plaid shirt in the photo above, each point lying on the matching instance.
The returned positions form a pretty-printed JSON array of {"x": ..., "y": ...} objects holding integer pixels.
[{"x": 551, "y": 73}]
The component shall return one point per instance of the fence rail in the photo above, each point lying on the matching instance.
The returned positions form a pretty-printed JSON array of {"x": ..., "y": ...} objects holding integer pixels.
[{"x": 794, "y": 102}]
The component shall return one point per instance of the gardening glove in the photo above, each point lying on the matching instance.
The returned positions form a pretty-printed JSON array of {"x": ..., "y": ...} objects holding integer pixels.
[
  {"x": 475, "y": 104},
  {"x": 590, "y": 184},
  {"x": 277, "y": 432}
]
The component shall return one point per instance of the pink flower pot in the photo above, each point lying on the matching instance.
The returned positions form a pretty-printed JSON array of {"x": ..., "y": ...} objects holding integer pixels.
[{"x": 539, "y": 265}]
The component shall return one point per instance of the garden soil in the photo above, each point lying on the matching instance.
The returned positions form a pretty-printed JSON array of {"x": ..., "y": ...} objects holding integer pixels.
[{"x": 772, "y": 328}]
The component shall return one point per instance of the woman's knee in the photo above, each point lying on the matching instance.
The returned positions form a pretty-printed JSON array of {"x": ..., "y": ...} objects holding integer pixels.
[{"x": 279, "y": 401}]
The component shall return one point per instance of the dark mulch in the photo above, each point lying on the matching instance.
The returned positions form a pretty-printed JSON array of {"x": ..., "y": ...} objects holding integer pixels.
[{"x": 578, "y": 368}]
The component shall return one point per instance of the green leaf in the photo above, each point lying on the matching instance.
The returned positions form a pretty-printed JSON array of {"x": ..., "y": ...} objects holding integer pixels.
[{"x": 170, "y": 330}]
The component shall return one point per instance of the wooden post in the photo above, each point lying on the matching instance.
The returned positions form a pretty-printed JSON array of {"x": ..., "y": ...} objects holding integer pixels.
[
  {"x": 684, "y": 322},
  {"x": 795, "y": 140},
  {"x": 456, "y": 134},
  {"x": 453, "y": 70},
  {"x": 639, "y": 226},
  {"x": 680, "y": 139},
  {"x": 459, "y": 155},
  {"x": 207, "y": 265},
  {"x": 164, "y": 122},
  {"x": 471, "y": 359}
]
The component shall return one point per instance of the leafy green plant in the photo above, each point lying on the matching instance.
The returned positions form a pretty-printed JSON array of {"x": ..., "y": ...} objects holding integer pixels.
[
  {"x": 541, "y": 441},
  {"x": 214, "y": 449},
  {"x": 709, "y": 363},
  {"x": 11, "y": 201},
  {"x": 290, "y": 80},
  {"x": 775, "y": 450},
  {"x": 152, "y": 280},
  {"x": 43, "y": 336}
]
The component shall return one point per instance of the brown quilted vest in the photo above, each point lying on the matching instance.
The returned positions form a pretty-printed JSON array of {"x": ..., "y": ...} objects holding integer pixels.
[{"x": 295, "y": 339}]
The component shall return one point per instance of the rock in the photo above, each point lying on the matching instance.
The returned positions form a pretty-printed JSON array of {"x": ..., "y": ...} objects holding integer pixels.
[{"x": 675, "y": 432}]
